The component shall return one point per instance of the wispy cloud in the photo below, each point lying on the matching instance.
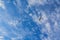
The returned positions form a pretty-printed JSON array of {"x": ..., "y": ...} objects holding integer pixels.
[
  {"x": 2, "y": 4},
  {"x": 33, "y": 2}
]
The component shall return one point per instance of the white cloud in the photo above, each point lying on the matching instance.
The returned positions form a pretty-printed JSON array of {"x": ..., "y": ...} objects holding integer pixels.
[
  {"x": 13, "y": 22},
  {"x": 13, "y": 38},
  {"x": 56, "y": 27},
  {"x": 44, "y": 17},
  {"x": 33, "y": 2},
  {"x": 48, "y": 27},
  {"x": 41, "y": 19},
  {"x": 30, "y": 14},
  {"x": 1, "y": 37},
  {"x": 36, "y": 19},
  {"x": 2, "y": 4}
]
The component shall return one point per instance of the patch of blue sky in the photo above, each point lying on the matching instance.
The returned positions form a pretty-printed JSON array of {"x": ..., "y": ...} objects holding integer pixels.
[
  {"x": 7, "y": 38},
  {"x": 12, "y": 10},
  {"x": 24, "y": 3},
  {"x": 6, "y": 1},
  {"x": 27, "y": 22},
  {"x": 31, "y": 37},
  {"x": 33, "y": 28},
  {"x": 25, "y": 17}
]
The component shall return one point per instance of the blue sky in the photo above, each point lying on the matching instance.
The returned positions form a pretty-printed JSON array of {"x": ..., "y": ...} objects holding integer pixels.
[{"x": 29, "y": 20}]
